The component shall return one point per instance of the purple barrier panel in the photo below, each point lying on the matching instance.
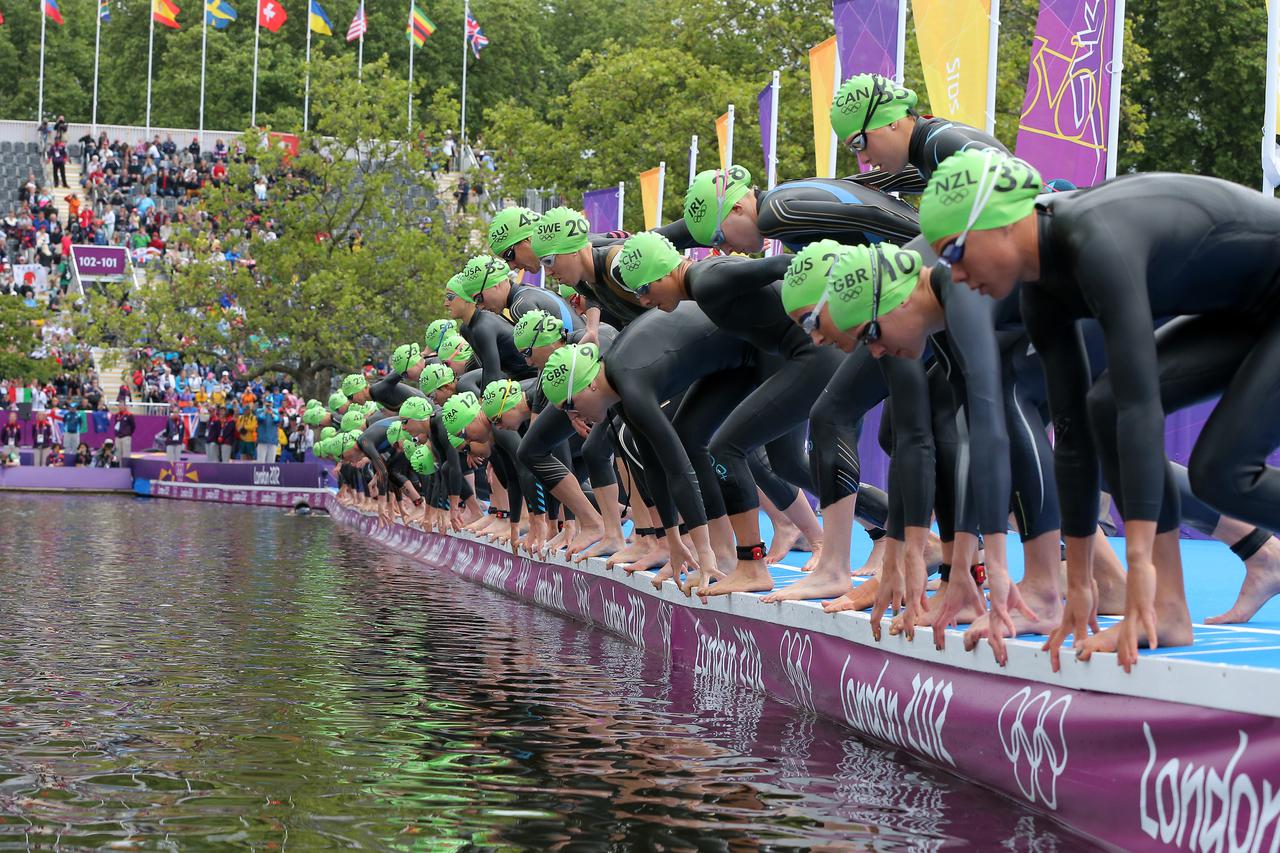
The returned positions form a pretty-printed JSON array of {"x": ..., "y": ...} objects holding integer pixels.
[
  {"x": 71, "y": 479},
  {"x": 243, "y": 495},
  {"x": 281, "y": 475},
  {"x": 874, "y": 461}
]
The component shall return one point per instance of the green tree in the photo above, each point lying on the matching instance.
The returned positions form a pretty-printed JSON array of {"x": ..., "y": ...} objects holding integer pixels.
[
  {"x": 358, "y": 267},
  {"x": 19, "y": 337}
]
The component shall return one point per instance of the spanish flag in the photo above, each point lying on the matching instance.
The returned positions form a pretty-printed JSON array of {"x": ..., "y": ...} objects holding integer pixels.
[
  {"x": 165, "y": 12},
  {"x": 420, "y": 26}
]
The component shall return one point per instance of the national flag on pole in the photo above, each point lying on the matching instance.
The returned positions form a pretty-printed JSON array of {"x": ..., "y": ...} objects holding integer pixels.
[
  {"x": 319, "y": 20},
  {"x": 219, "y": 13},
  {"x": 164, "y": 12},
  {"x": 420, "y": 26},
  {"x": 51, "y": 9},
  {"x": 271, "y": 15},
  {"x": 104, "y": 12},
  {"x": 359, "y": 25},
  {"x": 476, "y": 36},
  {"x": 1, "y": 17}
]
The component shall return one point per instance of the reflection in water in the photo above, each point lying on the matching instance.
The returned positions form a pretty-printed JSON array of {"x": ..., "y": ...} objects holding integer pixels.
[{"x": 205, "y": 676}]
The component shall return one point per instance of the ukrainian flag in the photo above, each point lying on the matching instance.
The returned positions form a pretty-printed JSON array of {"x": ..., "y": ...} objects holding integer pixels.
[
  {"x": 319, "y": 20},
  {"x": 219, "y": 13}
]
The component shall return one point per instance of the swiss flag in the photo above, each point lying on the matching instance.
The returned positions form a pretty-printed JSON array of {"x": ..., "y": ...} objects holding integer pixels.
[{"x": 271, "y": 14}]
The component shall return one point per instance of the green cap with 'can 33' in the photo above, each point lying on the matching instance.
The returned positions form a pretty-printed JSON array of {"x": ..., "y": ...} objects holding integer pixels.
[
  {"x": 405, "y": 356},
  {"x": 569, "y": 370},
  {"x": 645, "y": 258},
  {"x": 415, "y": 409},
  {"x": 354, "y": 383},
  {"x": 501, "y": 396},
  {"x": 862, "y": 93},
  {"x": 537, "y": 328},
  {"x": 807, "y": 275},
  {"x": 423, "y": 460},
  {"x": 455, "y": 349},
  {"x": 979, "y": 191},
  {"x": 481, "y": 272},
  {"x": 510, "y": 226},
  {"x": 710, "y": 197},
  {"x": 853, "y": 282},
  {"x": 434, "y": 377},
  {"x": 438, "y": 331},
  {"x": 459, "y": 412},
  {"x": 560, "y": 231},
  {"x": 336, "y": 401},
  {"x": 352, "y": 420}
]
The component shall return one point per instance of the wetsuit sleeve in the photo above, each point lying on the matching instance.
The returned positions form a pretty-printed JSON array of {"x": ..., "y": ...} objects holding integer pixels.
[
  {"x": 644, "y": 415},
  {"x": 678, "y": 233},
  {"x": 485, "y": 344},
  {"x": 908, "y": 182},
  {"x": 1057, "y": 339},
  {"x": 452, "y": 464},
  {"x": 972, "y": 336},
  {"x": 369, "y": 446},
  {"x": 794, "y": 218},
  {"x": 520, "y": 483},
  {"x": 730, "y": 278}
]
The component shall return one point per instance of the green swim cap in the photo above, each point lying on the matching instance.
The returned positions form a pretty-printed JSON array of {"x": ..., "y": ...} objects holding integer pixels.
[
  {"x": 807, "y": 274},
  {"x": 405, "y": 356},
  {"x": 885, "y": 99},
  {"x": 483, "y": 271},
  {"x": 454, "y": 286},
  {"x": 569, "y": 370},
  {"x": 423, "y": 460},
  {"x": 395, "y": 433},
  {"x": 501, "y": 396},
  {"x": 345, "y": 441},
  {"x": 455, "y": 349},
  {"x": 853, "y": 280},
  {"x": 510, "y": 226},
  {"x": 415, "y": 409},
  {"x": 327, "y": 432},
  {"x": 313, "y": 403},
  {"x": 560, "y": 231},
  {"x": 354, "y": 383},
  {"x": 313, "y": 416},
  {"x": 336, "y": 401},
  {"x": 434, "y": 377},
  {"x": 566, "y": 291},
  {"x": 977, "y": 190},
  {"x": 460, "y": 411},
  {"x": 536, "y": 329},
  {"x": 438, "y": 331},
  {"x": 645, "y": 258},
  {"x": 710, "y": 197},
  {"x": 371, "y": 408},
  {"x": 353, "y": 420}
]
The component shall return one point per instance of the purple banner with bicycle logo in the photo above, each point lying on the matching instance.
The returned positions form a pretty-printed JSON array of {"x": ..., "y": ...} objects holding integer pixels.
[{"x": 1064, "y": 127}]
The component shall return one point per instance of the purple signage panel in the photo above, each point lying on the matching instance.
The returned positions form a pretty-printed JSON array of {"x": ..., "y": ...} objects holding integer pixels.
[
  {"x": 305, "y": 475},
  {"x": 100, "y": 261},
  {"x": 765, "y": 102},
  {"x": 866, "y": 36},
  {"x": 601, "y": 209}
]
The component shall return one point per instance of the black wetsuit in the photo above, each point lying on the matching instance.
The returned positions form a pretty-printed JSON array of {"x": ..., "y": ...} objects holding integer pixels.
[
  {"x": 932, "y": 141},
  {"x": 604, "y": 290},
  {"x": 802, "y": 212},
  {"x": 391, "y": 391},
  {"x": 1126, "y": 252},
  {"x": 491, "y": 338},
  {"x": 373, "y": 442},
  {"x": 524, "y": 299}
]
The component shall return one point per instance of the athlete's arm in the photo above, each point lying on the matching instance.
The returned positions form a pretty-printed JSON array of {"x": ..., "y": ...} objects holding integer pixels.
[
  {"x": 644, "y": 415},
  {"x": 730, "y": 278},
  {"x": 485, "y": 345},
  {"x": 792, "y": 218},
  {"x": 908, "y": 182}
]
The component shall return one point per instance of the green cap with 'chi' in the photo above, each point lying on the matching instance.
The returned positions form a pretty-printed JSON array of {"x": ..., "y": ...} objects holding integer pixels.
[
  {"x": 808, "y": 273},
  {"x": 438, "y": 331},
  {"x": 501, "y": 396},
  {"x": 510, "y": 226},
  {"x": 415, "y": 409},
  {"x": 405, "y": 356},
  {"x": 860, "y": 271},
  {"x": 645, "y": 258},
  {"x": 336, "y": 401},
  {"x": 978, "y": 191},
  {"x": 569, "y": 370},
  {"x": 434, "y": 377},
  {"x": 560, "y": 231},
  {"x": 537, "y": 328},
  {"x": 710, "y": 197},
  {"x": 459, "y": 412},
  {"x": 861, "y": 94},
  {"x": 354, "y": 383}
]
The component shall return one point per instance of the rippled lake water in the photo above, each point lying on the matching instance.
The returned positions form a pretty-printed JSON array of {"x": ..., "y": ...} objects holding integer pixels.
[{"x": 205, "y": 677}]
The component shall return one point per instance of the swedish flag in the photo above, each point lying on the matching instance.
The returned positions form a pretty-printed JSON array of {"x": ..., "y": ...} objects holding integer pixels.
[
  {"x": 319, "y": 20},
  {"x": 219, "y": 13}
]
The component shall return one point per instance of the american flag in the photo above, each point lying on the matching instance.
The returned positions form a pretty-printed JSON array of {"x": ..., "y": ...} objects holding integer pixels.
[
  {"x": 476, "y": 36},
  {"x": 359, "y": 25}
]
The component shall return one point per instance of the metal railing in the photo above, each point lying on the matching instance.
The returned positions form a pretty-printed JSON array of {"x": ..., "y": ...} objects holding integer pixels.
[{"x": 26, "y": 131}]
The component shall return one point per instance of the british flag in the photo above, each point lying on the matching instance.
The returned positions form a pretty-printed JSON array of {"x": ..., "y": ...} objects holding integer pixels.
[{"x": 476, "y": 36}]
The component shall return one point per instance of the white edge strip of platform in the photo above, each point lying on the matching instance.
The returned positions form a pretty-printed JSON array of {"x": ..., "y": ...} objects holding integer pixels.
[
  {"x": 290, "y": 489},
  {"x": 1246, "y": 690}
]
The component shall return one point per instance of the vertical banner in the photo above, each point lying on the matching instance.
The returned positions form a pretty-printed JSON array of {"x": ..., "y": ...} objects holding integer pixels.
[
  {"x": 822, "y": 76},
  {"x": 769, "y": 128},
  {"x": 1270, "y": 162},
  {"x": 651, "y": 187},
  {"x": 724, "y": 135},
  {"x": 1065, "y": 130},
  {"x": 869, "y": 35},
  {"x": 954, "y": 37},
  {"x": 602, "y": 209}
]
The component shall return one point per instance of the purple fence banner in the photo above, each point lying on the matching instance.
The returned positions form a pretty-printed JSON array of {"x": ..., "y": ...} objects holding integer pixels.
[
  {"x": 765, "y": 100},
  {"x": 94, "y": 262},
  {"x": 601, "y": 210},
  {"x": 1063, "y": 131},
  {"x": 867, "y": 36}
]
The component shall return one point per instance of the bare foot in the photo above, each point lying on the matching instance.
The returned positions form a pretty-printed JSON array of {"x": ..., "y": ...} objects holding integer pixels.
[
  {"x": 1046, "y": 604},
  {"x": 1261, "y": 583},
  {"x": 606, "y": 546},
  {"x": 747, "y": 576},
  {"x": 965, "y": 616},
  {"x": 784, "y": 539},
  {"x": 814, "y": 559},
  {"x": 662, "y": 577},
  {"x": 875, "y": 559},
  {"x": 587, "y": 534},
  {"x": 1172, "y": 629},
  {"x": 656, "y": 556},
  {"x": 825, "y": 582},
  {"x": 691, "y": 582},
  {"x": 638, "y": 548},
  {"x": 861, "y": 597}
]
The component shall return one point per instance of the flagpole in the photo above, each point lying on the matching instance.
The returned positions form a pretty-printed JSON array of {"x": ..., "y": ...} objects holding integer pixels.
[
  {"x": 360, "y": 54},
  {"x": 1270, "y": 168},
  {"x": 462, "y": 130},
  {"x": 772, "y": 166},
  {"x": 412, "y": 42},
  {"x": 40, "y": 100},
  {"x": 257, "y": 36},
  {"x": 97, "y": 46},
  {"x": 662, "y": 188},
  {"x": 151, "y": 50},
  {"x": 204, "y": 43},
  {"x": 1117, "y": 67},
  {"x": 622, "y": 189},
  {"x": 993, "y": 64},
  {"x": 693, "y": 158},
  {"x": 728, "y": 143},
  {"x": 306, "y": 92}
]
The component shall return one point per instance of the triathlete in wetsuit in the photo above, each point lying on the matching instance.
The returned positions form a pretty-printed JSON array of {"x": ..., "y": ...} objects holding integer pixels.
[
  {"x": 392, "y": 390},
  {"x": 422, "y": 420},
  {"x": 488, "y": 280},
  {"x": 490, "y": 338},
  {"x": 1126, "y": 252}
]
